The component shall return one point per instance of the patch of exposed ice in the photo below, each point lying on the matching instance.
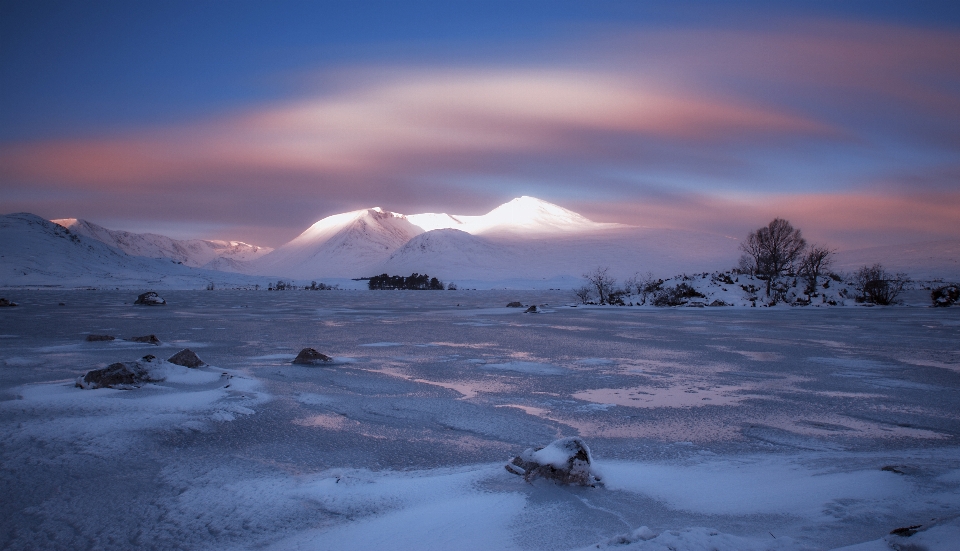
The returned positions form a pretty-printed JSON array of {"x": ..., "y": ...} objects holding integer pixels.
[{"x": 531, "y": 368}]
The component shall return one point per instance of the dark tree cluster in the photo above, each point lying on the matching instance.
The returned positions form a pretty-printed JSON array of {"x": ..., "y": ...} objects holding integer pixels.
[
  {"x": 413, "y": 282},
  {"x": 877, "y": 286},
  {"x": 314, "y": 286}
]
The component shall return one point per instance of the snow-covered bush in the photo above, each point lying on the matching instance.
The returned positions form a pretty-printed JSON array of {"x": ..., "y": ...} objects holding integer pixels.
[{"x": 947, "y": 295}]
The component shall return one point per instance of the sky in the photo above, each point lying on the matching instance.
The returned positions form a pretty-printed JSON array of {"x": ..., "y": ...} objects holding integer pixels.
[{"x": 252, "y": 120}]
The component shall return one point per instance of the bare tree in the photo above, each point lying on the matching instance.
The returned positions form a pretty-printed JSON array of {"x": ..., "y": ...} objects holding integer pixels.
[
  {"x": 647, "y": 285},
  {"x": 877, "y": 286},
  {"x": 814, "y": 263},
  {"x": 773, "y": 250},
  {"x": 583, "y": 293},
  {"x": 602, "y": 281}
]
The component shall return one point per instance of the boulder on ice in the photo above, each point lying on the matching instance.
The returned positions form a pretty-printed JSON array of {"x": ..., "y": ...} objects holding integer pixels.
[
  {"x": 147, "y": 339},
  {"x": 150, "y": 298},
  {"x": 186, "y": 358},
  {"x": 532, "y": 310},
  {"x": 121, "y": 375},
  {"x": 515, "y": 304},
  {"x": 567, "y": 461},
  {"x": 99, "y": 338},
  {"x": 309, "y": 356},
  {"x": 5, "y": 303}
]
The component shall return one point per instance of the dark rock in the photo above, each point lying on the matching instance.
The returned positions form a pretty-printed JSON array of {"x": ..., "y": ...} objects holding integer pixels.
[
  {"x": 148, "y": 339},
  {"x": 309, "y": 356},
  {"x": 532, "y": 310},
  {"x": 906, "y": 531},
  {"x": 150, "y": 298},
  {"x": 121, "y": 375},
  {"x": 5, "y": 303},
  {"x": 98, "y": 338},
  {"x": 186, "y": 358},
  {"x": 567, "y": 461},
  {"x": 515, "y": 305},
  {"x": 62, "y": 304}
]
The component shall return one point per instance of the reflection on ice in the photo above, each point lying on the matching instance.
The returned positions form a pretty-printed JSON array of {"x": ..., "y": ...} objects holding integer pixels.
[{"x": 679, "y": 396}]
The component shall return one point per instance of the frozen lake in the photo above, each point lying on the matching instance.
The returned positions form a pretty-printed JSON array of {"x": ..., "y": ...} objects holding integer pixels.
[{"x": 714, "y": 427}]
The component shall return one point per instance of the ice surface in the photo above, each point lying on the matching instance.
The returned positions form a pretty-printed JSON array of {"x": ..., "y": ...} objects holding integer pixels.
[{"x": 825, "y": 428}]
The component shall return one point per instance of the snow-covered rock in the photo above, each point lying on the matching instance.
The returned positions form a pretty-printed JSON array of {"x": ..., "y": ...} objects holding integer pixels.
[
  {"x": 186, "y": 358},
  {"x": 150, "y": 298},
  {"x": 309, "y": 356},
  {"x": 122, "y": 375},
  {"x": 566, "y": 460}
]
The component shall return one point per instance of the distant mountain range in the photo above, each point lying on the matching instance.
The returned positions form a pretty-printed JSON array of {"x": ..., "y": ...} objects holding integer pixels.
[
  {"x": 526, "y": 242},
  {"x": 37, "y": 253},
  {"x": 198, "y": 253},
  {"x": 524, "y": 239}
]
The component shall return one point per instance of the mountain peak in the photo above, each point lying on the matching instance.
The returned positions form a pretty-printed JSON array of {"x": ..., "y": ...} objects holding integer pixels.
[{"x": 519, "y": 216}]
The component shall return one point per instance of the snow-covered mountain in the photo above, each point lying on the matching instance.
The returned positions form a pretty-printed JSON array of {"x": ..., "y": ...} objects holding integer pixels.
[
  {"x": 198, "y": 253},
  {"x": 524, "y": 239},
  {"x": 522, "y": 217},
  {"x": 343, "y": 245},
  {"x": 37, "y": 253}
]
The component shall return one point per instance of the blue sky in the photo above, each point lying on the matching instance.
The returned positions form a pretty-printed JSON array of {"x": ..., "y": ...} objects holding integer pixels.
[{"x": 251, "y": 120}]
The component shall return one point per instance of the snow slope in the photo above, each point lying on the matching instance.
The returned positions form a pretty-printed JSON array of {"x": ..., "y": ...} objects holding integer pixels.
[
  {"x": 343, "y": 245},
  {"x": 198, "y": 253},
  {"x": 491, "y": 257},
  {"x": 37, "y": 253}
]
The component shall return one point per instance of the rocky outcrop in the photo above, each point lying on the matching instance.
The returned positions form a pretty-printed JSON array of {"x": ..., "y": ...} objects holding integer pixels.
[
  {"x": 309, "y": 356},
  {"x": 515, "y": 304},
  {"x": 148, "y": 339},
  {"x": 532, "y": 310},
  {"x": 6, "y": 303},
  {"x": 120, "y": 375},
  {"x": 100, "y": 338},
  {"x": 150, "y": 298},
  {"x": 186, "y": 358},
  {"x": 567, "y": 461}
]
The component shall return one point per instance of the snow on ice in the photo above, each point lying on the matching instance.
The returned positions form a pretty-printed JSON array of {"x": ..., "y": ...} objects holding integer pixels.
[{"x": 711, "y": 428}]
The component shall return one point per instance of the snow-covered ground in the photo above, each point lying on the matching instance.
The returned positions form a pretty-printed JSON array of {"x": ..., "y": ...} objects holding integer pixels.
[{"x": 712, "y": 428}]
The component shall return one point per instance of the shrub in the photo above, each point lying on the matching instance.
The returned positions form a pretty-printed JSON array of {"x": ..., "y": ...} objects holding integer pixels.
[
  {"x": 876, "y": 286},
  {"x": 947, "y": 295},
  {"x": 676, "y": 296}
]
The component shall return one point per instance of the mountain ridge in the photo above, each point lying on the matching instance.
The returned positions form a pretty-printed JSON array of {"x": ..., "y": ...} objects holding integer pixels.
[{"x": 197, "y": 253}]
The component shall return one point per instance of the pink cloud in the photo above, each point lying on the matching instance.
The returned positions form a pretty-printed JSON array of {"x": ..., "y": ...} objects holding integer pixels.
[{"x": 402, "y": 121}]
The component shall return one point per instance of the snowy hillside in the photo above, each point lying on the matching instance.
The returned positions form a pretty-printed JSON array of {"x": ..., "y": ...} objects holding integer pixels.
[
  {"x": 457, "y": 256},
  {"x": 343, "y": 245},
  {"x": 37, "y": 253},
  {"x": 198, "y": 253}
]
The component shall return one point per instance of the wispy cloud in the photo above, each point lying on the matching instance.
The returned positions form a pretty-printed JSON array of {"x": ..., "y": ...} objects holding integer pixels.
[{"x": 709, "y": 117}]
